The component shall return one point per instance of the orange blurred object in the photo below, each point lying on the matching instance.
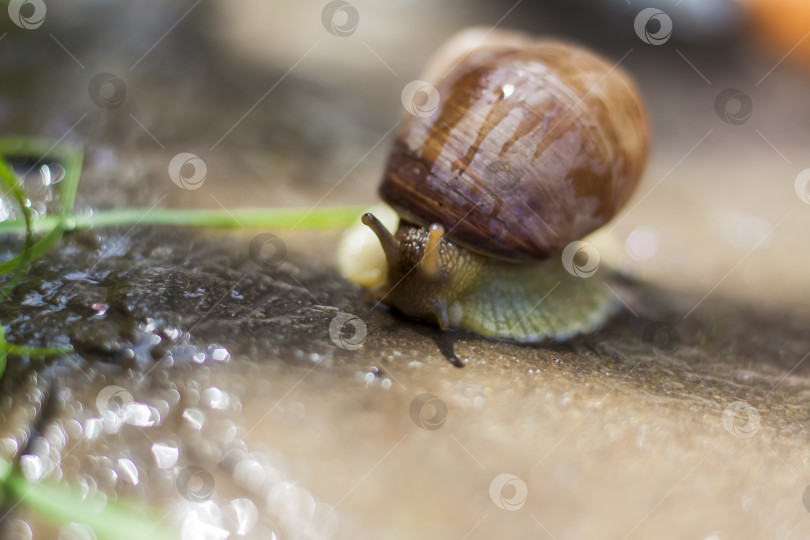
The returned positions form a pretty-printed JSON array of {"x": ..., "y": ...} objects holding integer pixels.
[{"x": 783, "y": 25}]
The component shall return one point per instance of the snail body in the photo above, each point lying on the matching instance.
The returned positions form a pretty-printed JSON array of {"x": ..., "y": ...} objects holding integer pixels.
[
  {"x": 533, "y": 145},
  {"x": 431, "y": 278}
]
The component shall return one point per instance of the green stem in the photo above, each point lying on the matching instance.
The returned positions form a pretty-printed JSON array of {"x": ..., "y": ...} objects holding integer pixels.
[
  {"x": 42, "y": 149},
  {"x": 9, "y": 181},
  {"x": 35, "y": 352},
  {"x": 268, "y": 218},
  {"x": 3, "y": 352},
  {"x": 60, "y": 505}
]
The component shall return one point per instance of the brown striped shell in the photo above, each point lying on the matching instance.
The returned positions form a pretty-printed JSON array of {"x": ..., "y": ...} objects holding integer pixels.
[{"x": 533, "y": 144}]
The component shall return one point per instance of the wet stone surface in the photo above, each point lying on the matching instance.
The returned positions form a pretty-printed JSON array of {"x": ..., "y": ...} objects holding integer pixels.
[{"x": 196, "y": 367}]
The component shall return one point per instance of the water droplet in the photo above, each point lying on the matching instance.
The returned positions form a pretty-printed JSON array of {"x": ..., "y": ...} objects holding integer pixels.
[
  {"x": 140, "y": 415},
  {"x": 87, "y": 486},
  {"x": 216, "y": 398},
  {"x": 8, "y": 447},
  {"x": 249, "y": 474},
  {"x": 203, "y": 521},
  {"x": 240, "y": 516},
  {"x": 172, "y": 333},
  {"x": 128, "y": 471},
  {"x": 111, "y": 422},
  {"x": 4, "y": 211},
  {"x": 17, "y": 529},
  {"x": 31, "y": 467},
  {"x": 220, "y": 354},
  {"x": 165, "y": 455},
  {"x": 291, "y": 501},
  {"x": 194, "y": 417},
  {"x": 161, "y": 407},
  {"x": 56, "y": 436}
]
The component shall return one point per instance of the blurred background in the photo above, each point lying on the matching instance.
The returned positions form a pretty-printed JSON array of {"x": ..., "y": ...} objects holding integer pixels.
[{"x": 296, "y": 104}]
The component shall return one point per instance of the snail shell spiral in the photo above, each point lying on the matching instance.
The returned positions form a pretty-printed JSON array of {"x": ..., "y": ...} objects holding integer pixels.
[{"x": 533, "y": 144}]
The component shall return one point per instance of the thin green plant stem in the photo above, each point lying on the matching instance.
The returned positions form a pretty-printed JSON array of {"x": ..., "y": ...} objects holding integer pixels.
[
  {"x": 3, "y": 352},
  {"x": 60, "y": 505},
  {"x": 35, "y": 352},
  {"x": 268, "y": 218},
  {"x": 32, "y": 252},
  {"x": 71, "y": 159},
  {"x": 7, "y": 350},
  {"x": 10, "y": 183}
]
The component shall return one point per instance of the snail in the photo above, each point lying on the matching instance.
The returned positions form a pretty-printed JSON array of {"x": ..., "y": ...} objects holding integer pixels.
[{"x": 532, "y": 145}]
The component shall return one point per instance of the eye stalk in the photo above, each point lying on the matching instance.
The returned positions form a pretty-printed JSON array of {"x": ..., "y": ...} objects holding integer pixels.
[
  {"x": 430, "y": 264},
  {"x": 389, "y": 243},
  {"x": 360, "y": 255}
]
